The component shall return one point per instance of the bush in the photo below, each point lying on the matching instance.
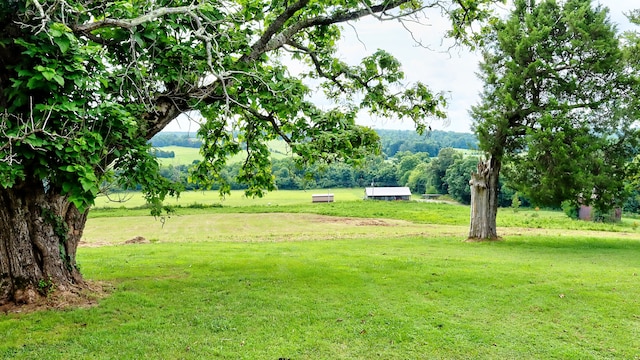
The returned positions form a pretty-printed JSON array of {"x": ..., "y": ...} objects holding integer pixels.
[
  {"x": 515, "y": 202},
  {"x": 571, "y": 209}
]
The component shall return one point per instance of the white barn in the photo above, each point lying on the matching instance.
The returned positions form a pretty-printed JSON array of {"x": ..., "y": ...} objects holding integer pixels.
[{"x": 387, "y": 193}]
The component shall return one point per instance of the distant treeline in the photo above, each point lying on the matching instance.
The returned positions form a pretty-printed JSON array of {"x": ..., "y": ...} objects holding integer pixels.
[
  {"x": 163, "y": 154},
  {"x": 447, "y": 173},
  {"x": 395, "y": 141},
  {"x": 392, "y": 141},
  {"x": 444, "y": 172},
  {"x": 418, "y": 161},
  {"x": 176, "y": 139}
]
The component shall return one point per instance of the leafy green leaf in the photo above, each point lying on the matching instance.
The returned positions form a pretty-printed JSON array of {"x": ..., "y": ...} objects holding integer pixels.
[
  {"x": 35, "y": 82},
  {"x": 59, "y": 79},
  {"x": 63, "y": 43}
]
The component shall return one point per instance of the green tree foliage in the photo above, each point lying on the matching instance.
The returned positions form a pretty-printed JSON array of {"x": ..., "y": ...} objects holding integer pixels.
[
  {"x": 163, "y": 154},
  {"x": 632, "y": 203},
  {"x": 631, "y": 40},
  {"x": 406, "y": 162},
  {"x": 394, "y": 141},
  {"x": 418, "y": 179},
  {"x": 176, "y": 139},
  {"x": 86, "y": 85},
  {"x": 379, "y": 170},
  {"x": 438, "y": 168},
  {"x": 556, "y": 104},
  {"x": 457, "y": 178}
]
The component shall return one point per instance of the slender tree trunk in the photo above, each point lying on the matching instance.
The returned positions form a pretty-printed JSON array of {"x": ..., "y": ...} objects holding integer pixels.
[
  {"x": 39, "y": 234},
  {"x": 484, "y": 200}
]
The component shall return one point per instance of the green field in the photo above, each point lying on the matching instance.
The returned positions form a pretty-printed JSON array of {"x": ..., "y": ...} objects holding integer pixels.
[
  {"x": 282, "y": 278},
  {"x": 469, "y": 152},
  {"x": 187, "y": 155},
  {"x": 183, "y": 155},
  {"x": 236, "y": 198},
  {"x": 348, "y": 203}
]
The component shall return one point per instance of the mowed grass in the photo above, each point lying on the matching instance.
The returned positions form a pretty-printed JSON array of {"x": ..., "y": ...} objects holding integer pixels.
[
  {"x": 402, "y": 298},
  {"x": 348, "y": 202},
  {"x": 348, "y": 280},
  {"x": 235, "y": 199}
]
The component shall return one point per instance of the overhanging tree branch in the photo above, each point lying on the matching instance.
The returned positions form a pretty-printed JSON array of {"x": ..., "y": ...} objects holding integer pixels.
[
  {"x": 278, "y": 36},
  {"x": 132, "y": 23}
]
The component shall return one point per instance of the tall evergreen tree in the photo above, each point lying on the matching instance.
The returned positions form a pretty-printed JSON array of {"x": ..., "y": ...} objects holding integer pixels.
[{"x": 555, "y": 105}]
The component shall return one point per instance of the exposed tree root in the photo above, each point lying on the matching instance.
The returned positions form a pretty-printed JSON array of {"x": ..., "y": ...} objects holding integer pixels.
[{"x": 58, "y": 298}]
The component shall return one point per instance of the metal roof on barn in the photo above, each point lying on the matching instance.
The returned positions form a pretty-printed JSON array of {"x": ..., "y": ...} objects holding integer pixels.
[{"x": 387, "y": 191}]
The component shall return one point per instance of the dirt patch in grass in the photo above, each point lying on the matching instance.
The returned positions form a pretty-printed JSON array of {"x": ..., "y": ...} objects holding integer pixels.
[
  {"x": 60, "y": 298},
  {"x": 275, "y": 227},
  {"x": 137, "y": 240},
  {"x": 357, "y": 221}
]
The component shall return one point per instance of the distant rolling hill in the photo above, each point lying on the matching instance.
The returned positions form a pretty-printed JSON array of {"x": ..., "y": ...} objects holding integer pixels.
[
  {"x": 186, "y": 145},
  {"x": 187, "y": 155}
]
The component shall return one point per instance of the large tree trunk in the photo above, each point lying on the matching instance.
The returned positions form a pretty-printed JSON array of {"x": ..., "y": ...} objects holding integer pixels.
[
  {"x": 39, "y": 234},
  {"x": 484, "y": 200}
]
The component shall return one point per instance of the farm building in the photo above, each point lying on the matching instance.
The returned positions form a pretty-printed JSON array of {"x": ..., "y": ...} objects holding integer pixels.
[
  {"x": 316, "y": 198},
  {"x": 588, "y": 213},
  {"x": 387, "y": 193}
]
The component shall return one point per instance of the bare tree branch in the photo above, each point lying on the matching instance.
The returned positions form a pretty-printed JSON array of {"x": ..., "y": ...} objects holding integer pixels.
[
  {"x": 272, "y": 120},
  {"x": 318, "y": 66},
  {"x": 132, "y": 23}
]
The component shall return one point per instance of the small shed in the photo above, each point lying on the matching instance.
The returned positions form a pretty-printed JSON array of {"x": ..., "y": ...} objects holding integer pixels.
[
  {"x": 587, "y": 213},
  {"x": 318, "y": 198},
  {"x": 387, "y": 193}
]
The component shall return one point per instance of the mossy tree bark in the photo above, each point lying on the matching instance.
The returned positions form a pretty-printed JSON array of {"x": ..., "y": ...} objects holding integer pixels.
[{"x": 39, "y": 233}]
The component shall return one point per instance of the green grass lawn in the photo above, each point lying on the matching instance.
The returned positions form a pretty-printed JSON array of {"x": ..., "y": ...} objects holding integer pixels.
[
  {"x": 406, "y": 298},
  {"x": 349, "y": 280}
]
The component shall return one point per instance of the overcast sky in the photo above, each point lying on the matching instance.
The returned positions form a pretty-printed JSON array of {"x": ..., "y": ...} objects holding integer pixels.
[{"x": 452, "y": 71}]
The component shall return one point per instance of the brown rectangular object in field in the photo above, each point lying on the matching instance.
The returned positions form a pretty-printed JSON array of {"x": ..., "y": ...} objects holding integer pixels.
[{"x": 316, "y": 198}]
